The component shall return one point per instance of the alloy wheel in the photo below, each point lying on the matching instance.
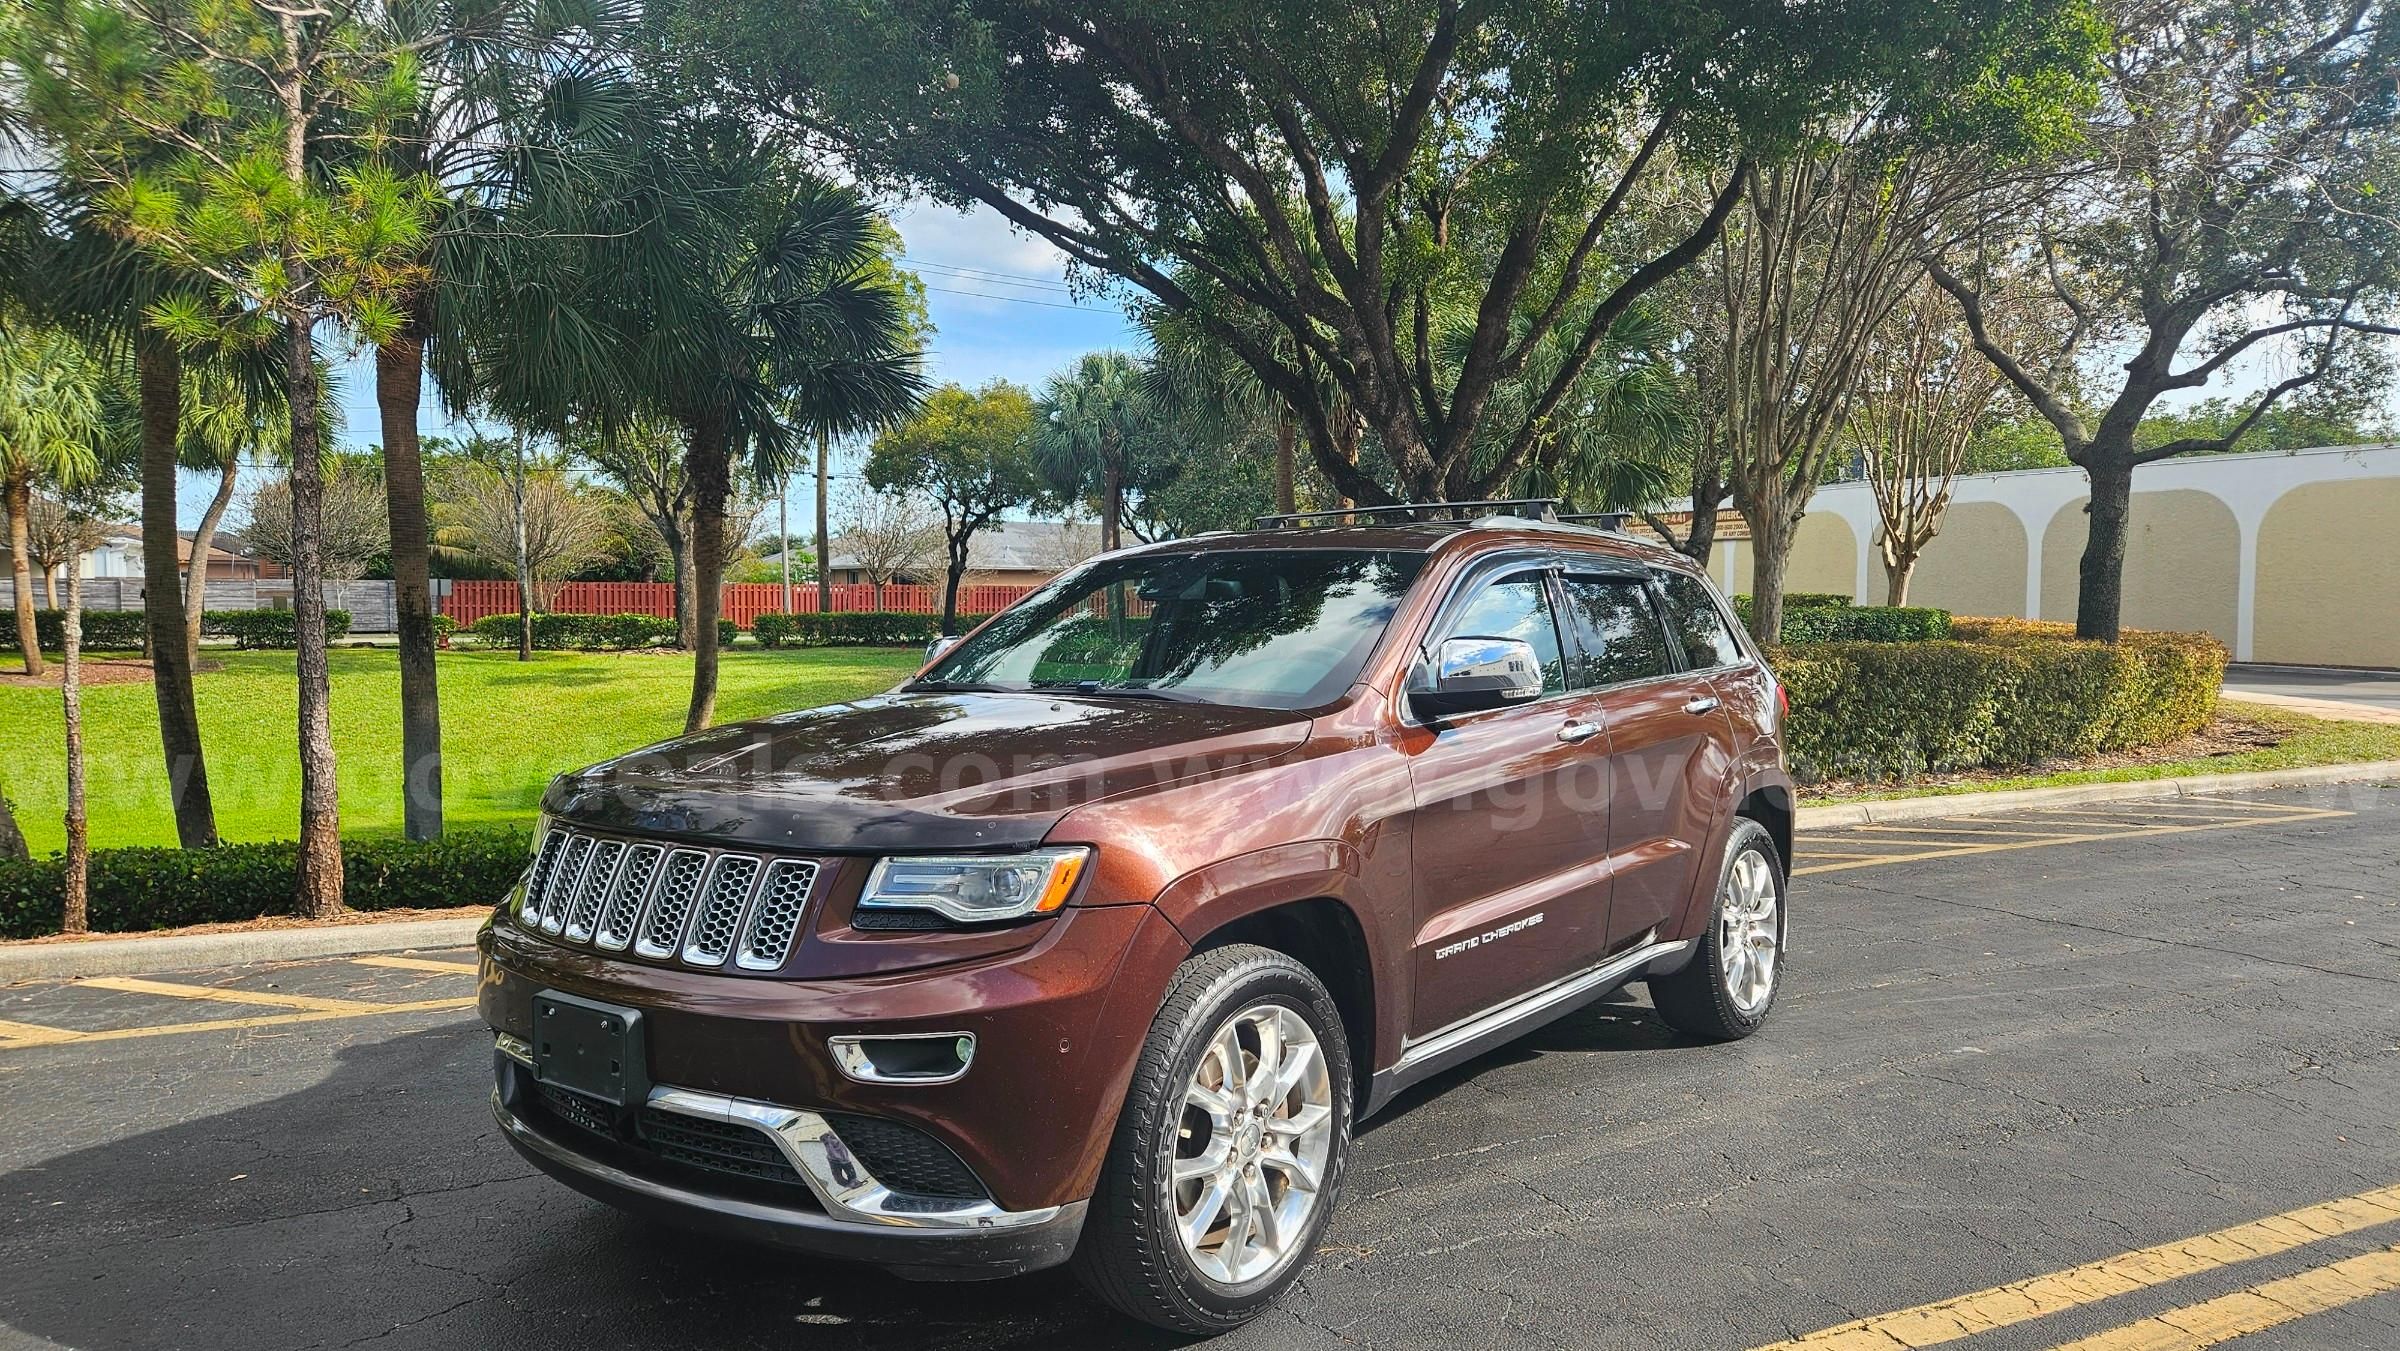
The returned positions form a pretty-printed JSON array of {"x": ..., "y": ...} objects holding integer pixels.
[
  {"x": 1749, "y": 934},
  {"x": 1252, "y": 1146}
]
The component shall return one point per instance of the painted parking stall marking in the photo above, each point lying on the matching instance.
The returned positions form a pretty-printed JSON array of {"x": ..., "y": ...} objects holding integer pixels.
[
  {"x": 2213, "y": 1322},
  {"x": 1879, "y": 846},
  {"x": 97, "y": 1020}
]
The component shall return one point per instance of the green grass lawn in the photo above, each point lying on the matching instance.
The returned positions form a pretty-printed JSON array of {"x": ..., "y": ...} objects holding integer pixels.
[
  {"x": 2307, "y": 741},
  {"x": 507, "y": 728}
]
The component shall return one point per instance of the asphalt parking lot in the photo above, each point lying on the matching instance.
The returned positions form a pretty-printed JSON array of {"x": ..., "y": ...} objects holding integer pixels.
[{"x": 2113, "y": 1078}]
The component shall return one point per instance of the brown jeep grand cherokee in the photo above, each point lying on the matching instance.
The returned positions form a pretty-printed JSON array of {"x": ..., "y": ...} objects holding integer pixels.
[{"x": 1093, "y": 941}]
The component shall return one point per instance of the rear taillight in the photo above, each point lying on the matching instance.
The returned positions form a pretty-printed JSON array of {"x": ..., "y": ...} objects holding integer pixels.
[{"x": 1783, "y": 703}]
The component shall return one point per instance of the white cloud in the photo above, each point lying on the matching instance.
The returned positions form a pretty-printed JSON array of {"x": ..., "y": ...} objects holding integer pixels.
[{"x": 975, "y": 238}]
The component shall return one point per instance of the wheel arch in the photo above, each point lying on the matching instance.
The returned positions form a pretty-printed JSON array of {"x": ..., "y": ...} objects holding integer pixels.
[
  {"x": 1323, "y": 934},
  {"x": 1770, "y": 804}
]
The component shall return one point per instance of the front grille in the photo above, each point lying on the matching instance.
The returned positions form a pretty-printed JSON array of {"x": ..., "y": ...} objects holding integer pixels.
[
  {"x": 669, "y": 903},
  {"x": 906, "y": 1159},
  {"x": 579, "y": 1111},
  {"x": 719, "y": 1146}
]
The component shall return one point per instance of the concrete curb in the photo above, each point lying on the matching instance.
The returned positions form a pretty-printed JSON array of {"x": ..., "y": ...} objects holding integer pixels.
[
  {"x": 139, "y": 956},
  {"x": 2018, "y": 799}
]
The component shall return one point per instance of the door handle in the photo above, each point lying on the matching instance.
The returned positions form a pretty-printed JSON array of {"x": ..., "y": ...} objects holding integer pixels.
[
  {"x": 1578, "y": 731},
  {"x": 1706, "y": 703}
]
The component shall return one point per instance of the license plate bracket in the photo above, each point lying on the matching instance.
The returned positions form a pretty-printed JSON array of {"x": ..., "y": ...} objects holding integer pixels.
[{"x": 589, "y": 1047}]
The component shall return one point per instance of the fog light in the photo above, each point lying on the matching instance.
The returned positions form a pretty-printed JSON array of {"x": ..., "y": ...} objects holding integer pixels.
[{"x": 905, "y": 1058}]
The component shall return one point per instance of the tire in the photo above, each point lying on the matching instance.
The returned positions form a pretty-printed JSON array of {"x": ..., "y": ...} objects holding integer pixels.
[
  {"x": 1705, "y": 998},
  {"x": 1132, "y": 1253}
]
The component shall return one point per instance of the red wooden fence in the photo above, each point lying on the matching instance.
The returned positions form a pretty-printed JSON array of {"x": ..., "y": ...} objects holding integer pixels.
[{"x": 469, "y": 601}]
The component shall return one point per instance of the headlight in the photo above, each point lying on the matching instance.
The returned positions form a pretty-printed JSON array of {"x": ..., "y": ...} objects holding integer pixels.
[{"x": 974, "y": 888}]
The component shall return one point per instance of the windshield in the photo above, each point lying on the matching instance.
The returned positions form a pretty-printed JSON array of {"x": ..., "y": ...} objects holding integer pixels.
[{"x": 1283, "y": 628}]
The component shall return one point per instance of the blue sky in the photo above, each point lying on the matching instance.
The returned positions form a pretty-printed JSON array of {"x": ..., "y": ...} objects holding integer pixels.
[{"x": 1000, "y": 308}]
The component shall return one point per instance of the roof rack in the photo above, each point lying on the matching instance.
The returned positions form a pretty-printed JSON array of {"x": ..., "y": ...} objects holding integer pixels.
[
  {"x": 1612, "y": 521},
  {"x": 1535, "y": 508}
]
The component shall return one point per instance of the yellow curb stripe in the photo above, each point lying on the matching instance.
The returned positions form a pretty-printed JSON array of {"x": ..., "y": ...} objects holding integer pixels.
[
  {"x": 2195, "y": 1327},
  {"x": 2006, "y": 846},
  {"x": 2046, "y": 832},
  {"x": 53, "y": 1036},
  {"x": 2007, "y": 1305},
  {"x": 417, "y": 964},
  {"x": 222, "y": 994}
]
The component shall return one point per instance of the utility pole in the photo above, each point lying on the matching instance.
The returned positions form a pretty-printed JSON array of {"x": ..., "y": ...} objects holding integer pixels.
[
  {"x": 824, "y": 548},
  {"x": 783, "y": 532}
]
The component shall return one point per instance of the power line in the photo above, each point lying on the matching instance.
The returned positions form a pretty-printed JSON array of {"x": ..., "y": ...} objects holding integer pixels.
[
  {"x": 1021, "y": 300},
  {"x": 983, "y": 279},
  {"x": 923, "y": 261}
]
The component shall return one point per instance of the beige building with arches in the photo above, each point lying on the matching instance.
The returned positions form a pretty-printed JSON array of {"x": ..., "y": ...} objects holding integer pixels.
[{"x": 2287, "y": 557}]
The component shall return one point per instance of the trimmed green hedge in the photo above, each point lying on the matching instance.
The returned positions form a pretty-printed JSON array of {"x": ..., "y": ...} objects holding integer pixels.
[
  {"x": 268, "y": 628},
  {"x": 138, "y": 889},
  {"x": 1822, "y": 617},
  {"x": 862, "y": 628},
  {"x": 1998, "y": 693},
  {"x": 562, "y": 632},
  {"x": 103, "y": 630}
]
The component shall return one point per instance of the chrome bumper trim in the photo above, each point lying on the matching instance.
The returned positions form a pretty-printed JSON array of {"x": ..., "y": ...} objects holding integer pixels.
[{"x": 842, "y": 1183}]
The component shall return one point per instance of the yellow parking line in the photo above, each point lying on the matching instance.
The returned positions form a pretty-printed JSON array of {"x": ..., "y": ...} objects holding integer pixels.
[
  {"x": 2138, "y": 832},
  {"x": 1838, "y": 853},
  {"x": 2197, "y": 1326},
  {"x": 417, "y": 964},
  {"x": 221, "y": 994},
  {"x": 53, "y": 1036},
  {"x": 2007, "y": 1305},
  {"x": 32, "y": 1034},
  {"x": 2046, "y": 833}
]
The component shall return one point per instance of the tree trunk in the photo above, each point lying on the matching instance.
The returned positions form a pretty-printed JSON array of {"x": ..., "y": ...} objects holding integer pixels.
[
  {"x": 399, "y": 383},
  {"x": 824, "y": 543},
  {"x": 75, "y": 878},
  {"x": 320, "y": 870},
  {"x": 1772, "y": 526},
  {"x": 1112, "y": 495},
  {"x": 679, "y": 556},
  {"x": 20, "y": 568},
  {"x": 2100, "y": 591},
  {"x": 50, "y": 588},
  {"x": 12, "y": 840},
  {"x": 1896, "y": 572},
  {"x": 160, "y": 369},
  {"x": 706, "y": 470},
  {"x": 516, "y": 497},
  {"x": 1287, "y": 434},
  {"x": 783, "y": 528},
  {"x": 956, "y": 574},
  {"x": 195, "y": 578}
]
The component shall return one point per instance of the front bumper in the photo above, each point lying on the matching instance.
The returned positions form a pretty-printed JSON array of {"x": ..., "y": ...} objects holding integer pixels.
[{"x": 845, "y": 1211}]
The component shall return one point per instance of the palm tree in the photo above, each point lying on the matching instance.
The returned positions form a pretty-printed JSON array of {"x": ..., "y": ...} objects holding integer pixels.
[
  {"x": 716, "y": 285},
  {"x": 508, "y": 94},
  {"x": 232, "y": 406},
  {"x": 51, "y": 421},
  {"x": 1085, "y": 427}
]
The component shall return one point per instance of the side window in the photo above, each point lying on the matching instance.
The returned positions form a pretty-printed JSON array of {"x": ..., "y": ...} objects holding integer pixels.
[
  {"x": 1517, "y": 606},
  {"x": 1622, "y": 638},
  {"x": 1697, "y": 619}
]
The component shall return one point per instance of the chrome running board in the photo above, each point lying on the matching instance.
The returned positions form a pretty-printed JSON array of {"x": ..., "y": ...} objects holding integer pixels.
[{"x": 1471, "y": 1036}]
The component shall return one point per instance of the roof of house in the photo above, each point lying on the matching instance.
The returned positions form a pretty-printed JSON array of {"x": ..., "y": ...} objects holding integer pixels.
[{"x": 1015, "y": 546}]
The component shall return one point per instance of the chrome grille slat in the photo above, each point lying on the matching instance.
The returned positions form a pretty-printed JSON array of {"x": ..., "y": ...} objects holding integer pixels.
[
  {"x": 775, "y": 919},
  {"x": 598, "y": 876},
  {"x": 730, "y": 882},
  {"x": 562, "y": 887},
  {"x": 625, "y": 902},
  {"x": 678, "y": 886},
  {"x": 545, "y": 866}
]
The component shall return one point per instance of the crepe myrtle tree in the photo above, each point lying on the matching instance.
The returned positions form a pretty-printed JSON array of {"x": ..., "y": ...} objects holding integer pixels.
[
  {"x": 1360, "y": 173},
  {"x": 2230, "y": 206}
]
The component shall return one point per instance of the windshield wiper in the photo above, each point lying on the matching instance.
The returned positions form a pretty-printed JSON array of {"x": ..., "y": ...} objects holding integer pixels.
[
  {"x": 949, "y": 687},
  {"x": 1094, "y": 687}
]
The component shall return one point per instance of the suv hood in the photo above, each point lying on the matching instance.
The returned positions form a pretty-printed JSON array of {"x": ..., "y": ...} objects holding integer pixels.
[{"x": 915, "y": 771}]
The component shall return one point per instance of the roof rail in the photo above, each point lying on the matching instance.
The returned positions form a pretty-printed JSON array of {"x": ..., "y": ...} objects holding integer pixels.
[
  {"x": 1612, "y": 521},
  {"x": 1535, "y": 508}
]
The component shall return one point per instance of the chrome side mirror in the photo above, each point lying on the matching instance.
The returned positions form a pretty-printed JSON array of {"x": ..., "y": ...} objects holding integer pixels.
[
  {"x": 1469, "y": 675},
  {"x": 935, "y": 649}
]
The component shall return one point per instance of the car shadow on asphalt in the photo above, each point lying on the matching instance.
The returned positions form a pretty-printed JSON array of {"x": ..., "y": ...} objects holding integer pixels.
[
  {"x": 381, "y": 1202},
  {"x": 1620, "y": 1021}
]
